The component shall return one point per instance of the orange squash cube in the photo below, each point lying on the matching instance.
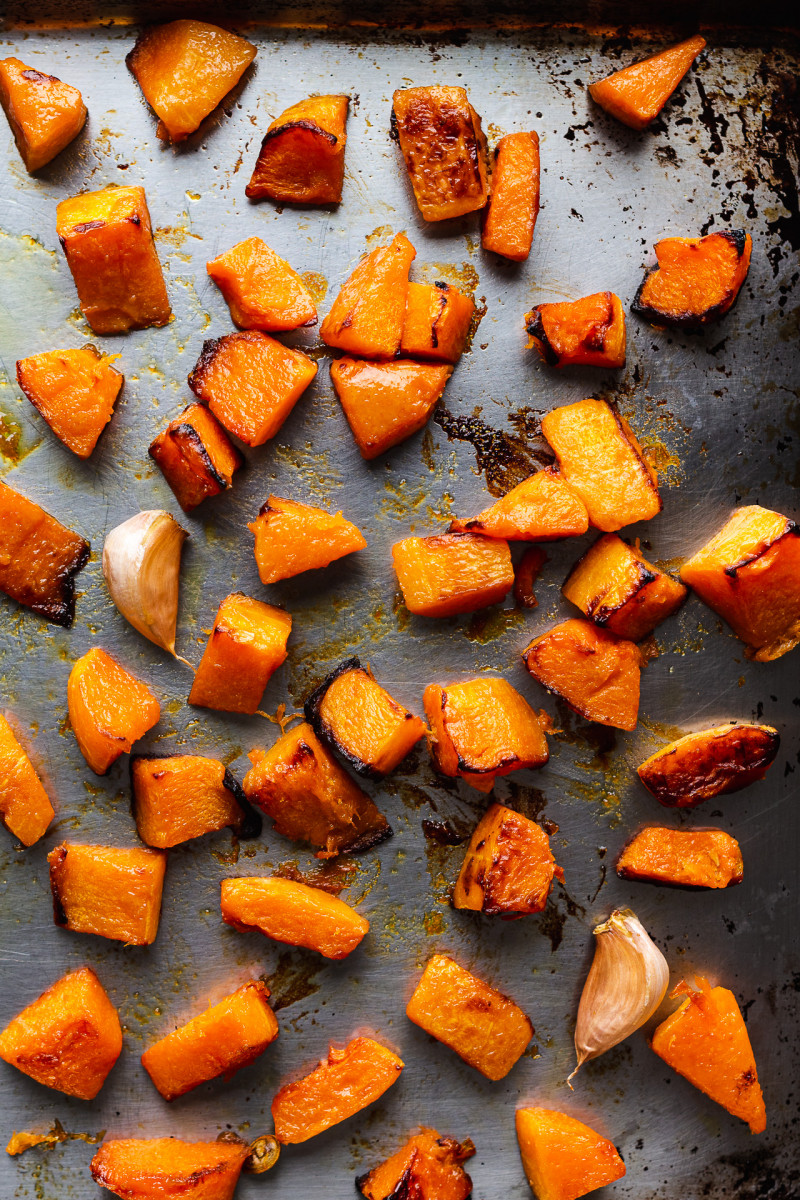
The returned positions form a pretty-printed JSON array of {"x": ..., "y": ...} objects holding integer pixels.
[
  {"x": 293, "y": 913},
  {"x": 452, "y": 573},
  {"x": 443, "y": 145},
  {"x": 291, "y": 538},
  {"x": 182, "y": 796},
  {"x": 114, "y": 893},
  {"x": 585, "y": 333},
  {"x": 44, "y": 113},
  {"x": 710, "y": 763},
  {"x": 508, "y": 869},
  {"x": 636, "y": 94},
  {"x": 428, "y": 1167},
  {"x": 437, "y": 322},
  {"x": 563, "y": 1158},
  {"x": 245, "y": 649},
  {"x": 690, "y": 858},
  {"x": 301, "y": 160},
  {"x": 514, "y": 202},
  {"x": 167, "y": 1168},
  {"x": 261, "y": 289},
  {"x": 39, "y": 558},
  {"x": 385, "y": 403},
  {"x": 696, "y": 281},
  {"x": 366, "y": 318},
  {"x": 617, "y": 588},
  {"x": 109, "y": 709},
  {"x": 540, "y": 509},
  {"x": 195, "y": 456},
  {"x": 75, "y": 391},
  {"x": 25, "y": 807}
]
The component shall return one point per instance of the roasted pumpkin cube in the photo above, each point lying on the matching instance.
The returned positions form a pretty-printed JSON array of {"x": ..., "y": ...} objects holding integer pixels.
[
  {"x": 366, "y": 318},
  {"x": 540, "y": 509},
  {"x": 691, "y": 858},
  {"x": 220, "y": 1041},
  {"x": 140, "y": 1168},
  {"x": 696, "y": 281},
  {"x": 245, "y": 649},
  {"x": 112, "y": 892},
  {"x": 311, "y": 798},
  {"x": 185, "y": 69},
  {"x": 385, "y": 403},
  {"x": 710, "y": 763},
  {"x": 636, "y": 94},
  {"x": 75, "y": 391},
  {"x": 563, "y": 1158},
  {"x": 514, "y": 203},
  {"x": 301, "y": 160},
  {"x": 452, "y": 573},
  {"x": 25, "y": 807},
  {"x": 182, "y": 796},
  {"x": 291, "y": 538},
  {"x": 508, "y": 869},
  {"x": 196, "y": 456},
  {"x": 428, "y": 1167},
  {"x": 585, "y": 333},
  {"x": 108, "y": 241},
  {"x": 705, "y": 1041},
  {"x": 749, "y": 573},
  {"x": 484, "y": 1027},
  {"x": 261, "y": 289},
  {"x": 109, "y": 709},
  {"x": 293, "y": 913},
  {"x": 437, "y": 322},
  {"x": 44, "y": 113},
  {"x": 39, "y": 558},
  {"x": 603, "y": 462},
  {"x": 444, "y": 149}
]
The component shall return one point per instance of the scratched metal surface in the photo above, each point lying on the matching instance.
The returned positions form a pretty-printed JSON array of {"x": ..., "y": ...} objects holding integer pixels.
[{"x": 719, "y": 414}]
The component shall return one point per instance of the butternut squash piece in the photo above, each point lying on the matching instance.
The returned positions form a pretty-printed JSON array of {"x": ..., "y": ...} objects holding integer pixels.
[
  {"x": 291, "y": 538},
  {"x": 261, "y": 289},
  {"x": 39, "y": 558},
  {"x": 585, "y": 333},
  {"x": 169, "y": 1169},
  {"x": 427, "y": 1167},
  {"x": 25, "y": 807},
  {"x": 437, "y": 322},
  {"x": 353, "y": 1076},
  {"x": 636, "y": 94},
  {"x": 245, "y": 649},
  {"x": 603, "y": 462},
  {"x": 196, "y": 456},
  {"x": 112, "y": 892},
  {"x": 356, "y": 717},
  {"x": 366, "y": 318},
  {"x": 563, "y": 1158},
  {"x": 385, "y": 403},
  {"x": 595, "y": 672},
  {"x": 220, "y": 1041},
  {"x": 508, "y": 869},
  {"x": 45, "y": 114},
  {"x": 485, "y": 1028},
  {"x": 293, "y": 913},
  {"x": 182, "y": 796},
  {"x": 527, "y": 572},
  {"x": 705, "y": 1041},
  {"x": 482, "y": 729},
  {"x": 444, "y": 149},
  {"x": 251, "y": 383},
  {"x": 749, "y": 573},
  {"x": 514, "y": 203},
  {"x": 693, "y": 858},
  {"x": 108, "y": 241},
  {"x": 109, "y": 709},
  {"x": 452, "y": 573},
  {"x": 710, "y": 763},
  {"x": 540, "y": 509},
  {"x": 301, "y": 160},
  {"x": 310, "y": 798},
  {"x": 696, "y": 281},
  {"x": 185, "y": 69},
  {"x": 617, "y": 588},
  {"x": 75, "y": 391}
]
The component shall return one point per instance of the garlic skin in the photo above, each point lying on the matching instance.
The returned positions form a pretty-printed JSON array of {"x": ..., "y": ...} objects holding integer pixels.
[
  {"x": 627, "y": 981},
  {"x": 141, "y": 566}
]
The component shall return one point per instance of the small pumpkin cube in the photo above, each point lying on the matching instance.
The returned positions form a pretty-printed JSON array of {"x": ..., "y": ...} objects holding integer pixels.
[
  {"x": 636, "y": 94},
  {"x": 696, "y": 280},
  {"x": 45, "y": 114},
  {"x": 75, "y": 391},
  {"x": 508, "y": 869},
  {"x": 428, "y": 1167},
  {"x": 293, "y": 913},
  {"x": 112, "y": 892},
  {"x": 109, "y": 709},
  {"x": 261, "y": 289},
  {"x": 690, "y": 858},
  {"x": 39, "y": 558},
  {"x": 301, "y": 160},
  {"x": 452, "y": 573},
  {"x": 709, "y": 763},
  {"x": 584, "y": 333},
  {"x": 141, "y": 1168},
  {"x": 563, "y": 1158},
  {"x": 196, "y": 456},
  {"x": 244, "y": 650},
  {"x": 25, "y": 807},
  {"x": 444, "y": 149},
  {"x": 514, "y": 203},
  {"x": 366, "y": 318},
  {"x": 385, "y": 403},
  {"x": 182, "y": 796},
  {"x": 542, "y": 508},
  {"x": 291, "y": 538},
  {"x": 437, "y": 322}
]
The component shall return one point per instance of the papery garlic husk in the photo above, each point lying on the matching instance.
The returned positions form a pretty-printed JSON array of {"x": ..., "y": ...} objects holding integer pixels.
[
  {"x": 141, "y": 565},
  {"x": 626, "y": 983}
]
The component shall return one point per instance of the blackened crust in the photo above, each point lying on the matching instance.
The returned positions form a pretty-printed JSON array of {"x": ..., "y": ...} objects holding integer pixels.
[
  {"x": 59, "y": 856},
  {"x": 251, "y": 822},
  {"x": 307, "y": 126},
  {"x": 535, "y": 330},
  {"x": 193, "y": 438}
]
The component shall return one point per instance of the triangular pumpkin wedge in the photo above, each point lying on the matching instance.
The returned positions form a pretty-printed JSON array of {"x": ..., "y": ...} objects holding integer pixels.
[
  {"x": 75, "y": 391},
  {"x": 301, "y": 160},
  {"x": 563, "y": 1158},
  {"x": 540, "y": 509},
  {"x": 367, "y": 316},
  {"x": 385, "y": 403},
  {"x": 44, "y": 113},
  {"x": 261, "y": 289},
  {"x": 136, "y": 1168},
  {"x": 636, "y": 94},
  {"x": 292, "y": 537}
]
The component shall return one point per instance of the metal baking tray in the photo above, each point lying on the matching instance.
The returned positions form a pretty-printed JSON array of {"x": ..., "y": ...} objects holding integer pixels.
[{"x": 718, "y": 413}]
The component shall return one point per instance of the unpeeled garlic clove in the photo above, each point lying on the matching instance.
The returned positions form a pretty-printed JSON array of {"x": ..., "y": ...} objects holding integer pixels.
[
  {"x": 141, "y": 565},
  {"x": 626, "y": 983}
]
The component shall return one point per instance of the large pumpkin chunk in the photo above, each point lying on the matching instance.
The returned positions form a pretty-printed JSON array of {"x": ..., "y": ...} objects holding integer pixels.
[
  {"x": 563, "y": 1158},
  {"x": 692, "y": 858},
  {"x": 44, "y": 113},
  {"x": 39, "y": 558},
  {"x": 437, "y": 322},
  {"x": 292, "y": 537},
  {"x": 294, "y": 913},
  {"x": 636, "y": 94},
  {"x": 245, "y": 648},
  {"x": 25, "y": 807},
  {"x": 696, "y": 281},
  {"x": 301, "y": 160},
  {"x": 444, "y": 149},
  {"x": 261, "y": 289},
  {"x": 427, "y": 1167},
  {"x": 109, "y": 709},
  {"x": 385, "y": 403},
  {"x": 540, "y": 509},
  {"x": 169, "y": 1169},
  {"x": 514, "y": 204},
  {"x": 366, "y": 318},
  {"x": 183, "y": 796},
  {"x": 508, "y": 868},
  {"x": 585, "y": 333},
  {"x": 109, "y": 891},
  {"x": 452, "y": 573},
  {"x": 709, "y": 763},
  {"x": 75, "y": 391}
]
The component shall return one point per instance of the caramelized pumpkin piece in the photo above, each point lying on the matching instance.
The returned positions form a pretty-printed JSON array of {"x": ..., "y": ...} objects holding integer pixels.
[
  {"x": 696, "y": 280},
  {"x": 220, "y": 1041},
  {"x": 196, "y": 456},
  {"x": 540, "y": 509},
  {"x": 694, "y": 858},
  {"x": 44, "y": 113},
  {"x": 39, "y": 558},
  {"x": 185, "y": 69},
  {"x": 108, "y": 241},
  {"x": 452, "y": 573},
  {"x": 636, "y": 94},
  {"x": 310, "y": 798},
  {"x": 112, "y": 892},
  {"x": 301, "y": 160},
  {"x": 749, "y": 573},
  {"x": 585, "y": 333},
  {"x": 705, "y": 1041},
  {"x": 261, "y": 289},
  {"x": 563, "y": 1158},
  {"x": 602, "y": 461},
  {"x": 618, "y": 589},
  {"x": 444, "y": 149},
  {"x": 385, "y": 403},
  {"x": 183, "y": 796},
  {"x": 291, "y": 538},
  {"x": 595, "y": 672},
  {"x": 245, "y": 649},
  {"x": 514, "y": 204},
  {"x": 109, "y": 709},
  {"x": 710, "y": 763},
  {"x": 437, "y": 322},
  {"x": 508, "y": 869},
  {"x": 484, "y": 1027},
  {"x": 25, "y": 807},
  {"x": 366, "y": 318},
  {"x": 427, "y": 1167},
  {"x": 169, "y": 1169},
  {"x": 75, "y": 391},
  {"x": 293, "y": 913}
]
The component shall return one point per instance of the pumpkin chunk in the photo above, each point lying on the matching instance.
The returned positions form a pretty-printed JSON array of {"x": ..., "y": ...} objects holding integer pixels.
[
  {"x": 618, "y": 589},
  {"x": 484, "y": 1027},
  {"x": 385, "y": 403},
  {"x": 636, "y": 94},
  {"x": 220, "y": 1041},
  {"x": 301, "y": 160},
  {"x": 108, "y": 241},
  {"x": 291, "y": 538},
  {"x": 437, "y": 322},
  {"x": 196, "y": 456},
  {"x": 25, "y": 807},
  {"x": 696, "y": 281},
  {"x": 695, "y": 858},
  {"x": 585, "y": 333},
  {"x": 705, "y": 1041},
  {"x": 167, "y": 1168},
  {"x": 452, "y": 573},
  {"x": 68, "y": 1039},
  {"x": 180, "y": 797},
  {"x": 310, "y": 798},
  {"x": 595, "y": 672},
  {"x": 749, "y": 573},
  {"x": 563, "y": 1158},
  {"x": 245, "y": 649},
  {"x": 39, "y": 558},
  {"x": 427, "y": 1167},
  {"x": 602, "y": 461},
  {"x": 540, "y": 509},
  {"x": 366, "y": 318},
  {"x": 508, "y": 869},
  {"x": 261, "y": 289},
  {"x": 514, "y": 204},
  {"x": 75, "y": 391},
  {"x": 251, "y": 383},
  {"x": 44, "y": 113},
  {"x": 482, "y": 729},
  {"x": 185, "y": 69},
  {"x": 109, "y": 709},
  {"x": 710, "y": 763},
  {"x": 293, "y": 913},
  {"x": 114, "y": 893},
  {"x": 444, "y": 149}
]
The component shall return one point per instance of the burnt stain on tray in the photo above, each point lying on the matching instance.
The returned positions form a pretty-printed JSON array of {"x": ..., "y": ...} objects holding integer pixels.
[{"x": 504, "y": 458}]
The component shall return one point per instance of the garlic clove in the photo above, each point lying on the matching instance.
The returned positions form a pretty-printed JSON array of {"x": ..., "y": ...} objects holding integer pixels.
[
  {"x": 141, "y": 566},
  {"x": 626, "y": 983}
]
